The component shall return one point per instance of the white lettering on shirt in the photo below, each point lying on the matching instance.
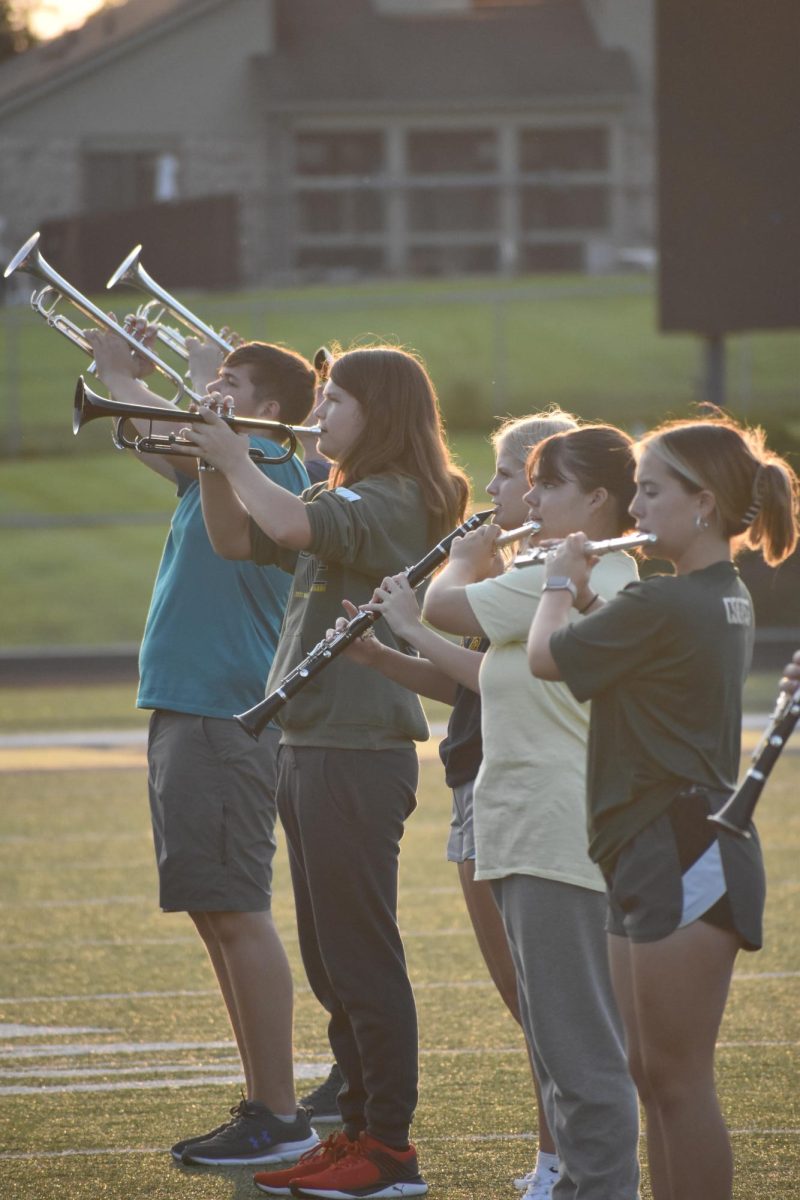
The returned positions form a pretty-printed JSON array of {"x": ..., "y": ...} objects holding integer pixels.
[{"x": 737, "y": 610}]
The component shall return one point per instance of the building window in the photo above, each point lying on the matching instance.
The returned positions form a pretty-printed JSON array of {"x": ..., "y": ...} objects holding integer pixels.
[
  {"x": 322, "y": 262},
  {"x": 354, "y": 210},
  {"x": 555, "y": 256},
  {"x": 580, "y": 149},
  {"x": 564, "y": 207},
  {"x": 115, "y": 179},
  {"x": 443, "y": 151},
  {"x": 344, "y": 153},
  {"x": 443, "y": 209},
  {"x": 452, "y": 260}
]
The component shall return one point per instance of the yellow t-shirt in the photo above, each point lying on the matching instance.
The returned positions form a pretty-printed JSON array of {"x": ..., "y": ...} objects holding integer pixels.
[{"x": 530, "y": 793}]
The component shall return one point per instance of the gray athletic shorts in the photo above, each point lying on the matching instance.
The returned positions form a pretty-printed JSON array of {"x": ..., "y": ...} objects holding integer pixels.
[
  {"x": 681, "y": 869},
  {"x": 461, "y": 842},
  {"x": 212, "y": 805}
]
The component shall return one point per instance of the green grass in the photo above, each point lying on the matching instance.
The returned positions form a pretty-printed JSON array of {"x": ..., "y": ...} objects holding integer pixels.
[
  {"x": 89, "y": 584},
  {"x": 72, "y": 706},
  {"x": 25, "y": 709},
  {"x": 493, "y": 347},
  {"x": 84, "y": 946}
]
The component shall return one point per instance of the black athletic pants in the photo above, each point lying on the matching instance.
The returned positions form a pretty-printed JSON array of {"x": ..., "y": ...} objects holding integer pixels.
[{"x": 343, "y": 813}]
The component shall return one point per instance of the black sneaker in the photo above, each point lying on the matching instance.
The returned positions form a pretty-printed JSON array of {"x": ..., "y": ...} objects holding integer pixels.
[
  {"x": 179, "y": 1147},
  {"x": 254, "y": 1136},
  {"x": 321, "y": 1103}
]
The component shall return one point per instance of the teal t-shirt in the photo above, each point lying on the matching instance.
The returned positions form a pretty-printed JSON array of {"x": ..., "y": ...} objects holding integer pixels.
[{"x": 213, "y": 625}]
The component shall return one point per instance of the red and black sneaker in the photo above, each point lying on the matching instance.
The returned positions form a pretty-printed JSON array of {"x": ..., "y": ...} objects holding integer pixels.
[
  {"x": 324, "y": 1154},
  {"x": 367, "y": 1169}
]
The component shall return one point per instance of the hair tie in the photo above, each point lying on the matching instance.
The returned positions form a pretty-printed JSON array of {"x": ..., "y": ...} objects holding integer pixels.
[{"x": 755, "y": 502}]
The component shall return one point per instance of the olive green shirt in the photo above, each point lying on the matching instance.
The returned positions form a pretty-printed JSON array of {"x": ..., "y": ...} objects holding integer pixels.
[
  {"x": 359, "y": 535},
  {"x": 663, "y": 663}
]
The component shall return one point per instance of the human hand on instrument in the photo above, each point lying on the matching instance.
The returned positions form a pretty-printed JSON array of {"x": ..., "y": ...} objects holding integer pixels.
[
  {"x": 791, "y": 675},
  {"x": 477, "y": 552},
  {"x": 214, "y": 441},
  {"x": 205, "y": 360},
  {"x": 363, "y": 650},
  {"x": 115, "y": 361},
  {"x": 396, "y": 602},
  {"x": 147, "y": 335},
  {"x": 569, "y": 557},
  {"x": 233, "y": 338}
]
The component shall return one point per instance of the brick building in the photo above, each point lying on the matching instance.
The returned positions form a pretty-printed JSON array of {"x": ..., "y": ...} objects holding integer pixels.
[{"x": 356, "y": 137}]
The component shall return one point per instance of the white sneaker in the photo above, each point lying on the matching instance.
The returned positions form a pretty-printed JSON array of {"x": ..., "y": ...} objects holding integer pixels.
[
  {"x": 521, "y": 1184},
  {"x": 540, "y": 1186}
]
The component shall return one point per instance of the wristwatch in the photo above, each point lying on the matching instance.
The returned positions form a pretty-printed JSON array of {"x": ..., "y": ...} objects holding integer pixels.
[{"x": 561, "y": 583}]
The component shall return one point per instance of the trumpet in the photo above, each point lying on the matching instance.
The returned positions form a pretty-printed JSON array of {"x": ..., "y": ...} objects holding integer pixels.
[
  {"x": 607, "y": 546},
  {"x": 87, "y": 406},
  {"x": 737, "y": 813},
  {"x": 45, "y": 302},
  {"x": 130, "y": 272}
]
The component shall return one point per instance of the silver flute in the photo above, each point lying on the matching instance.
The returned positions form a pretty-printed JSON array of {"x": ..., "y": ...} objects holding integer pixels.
[
  {"x": 517, "y": 535},
  {"x": 539, "y": 553}
]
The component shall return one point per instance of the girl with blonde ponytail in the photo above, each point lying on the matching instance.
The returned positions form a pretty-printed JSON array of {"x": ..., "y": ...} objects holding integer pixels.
[{"x": 666, "y": 660}]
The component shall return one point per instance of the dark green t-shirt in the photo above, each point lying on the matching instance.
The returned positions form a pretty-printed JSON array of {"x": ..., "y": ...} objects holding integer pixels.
[
  {"x": 663, "y": 663},
  {"x": 360, "y": 534}
]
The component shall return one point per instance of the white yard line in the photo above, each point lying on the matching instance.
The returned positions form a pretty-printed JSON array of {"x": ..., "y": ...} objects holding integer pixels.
[
  {"x": 463, "y": 1138},
  {"x": 181, "y": 993}
]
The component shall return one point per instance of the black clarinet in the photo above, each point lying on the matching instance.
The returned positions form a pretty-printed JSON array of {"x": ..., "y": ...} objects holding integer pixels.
[
  {"x": 737, "y": 813},
  {"x": 256, "y": 719}
]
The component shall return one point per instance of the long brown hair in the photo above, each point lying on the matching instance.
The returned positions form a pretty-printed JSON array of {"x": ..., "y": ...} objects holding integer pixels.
[
  {"x": 403, "y": 433},
  {"x": 756, "y": 491}
]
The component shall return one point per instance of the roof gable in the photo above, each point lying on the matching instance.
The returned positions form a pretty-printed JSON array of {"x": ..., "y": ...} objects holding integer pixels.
[{"x": 350, "y": 52}]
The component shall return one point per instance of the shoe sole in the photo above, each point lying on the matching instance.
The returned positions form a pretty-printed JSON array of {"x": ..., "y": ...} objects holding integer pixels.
[
  {"x": 288, "y": 1152},
  {"x": 274, "y": 1191},
  {"x": 391, "y": 1191},
  {"x": 178, "y": 1154}
]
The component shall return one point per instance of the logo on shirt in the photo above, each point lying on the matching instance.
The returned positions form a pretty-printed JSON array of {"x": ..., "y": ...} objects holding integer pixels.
[
  {"x": 737, "y": 610},
  {"x": 346, "y": 493}
]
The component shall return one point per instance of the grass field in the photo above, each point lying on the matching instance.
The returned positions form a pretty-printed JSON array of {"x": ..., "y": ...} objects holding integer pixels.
[
  {"x": 84, "y": 526},
  {"x": 493, "y": 347},
  {"x": 114, "y": 1043},
  {"x": 85, "y": 535}
]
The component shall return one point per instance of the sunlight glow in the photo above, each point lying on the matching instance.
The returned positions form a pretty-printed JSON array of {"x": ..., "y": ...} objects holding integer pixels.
[{"x": 49, "y": 18}]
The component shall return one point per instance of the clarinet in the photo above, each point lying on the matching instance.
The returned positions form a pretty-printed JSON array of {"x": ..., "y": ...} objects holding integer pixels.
[
  {"x": 255, "y": 720},
  {"x": 737, "y": 812}
]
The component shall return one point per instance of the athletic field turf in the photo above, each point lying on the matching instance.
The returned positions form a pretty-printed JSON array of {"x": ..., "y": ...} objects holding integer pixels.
[{"x": 114, "y": 1043}]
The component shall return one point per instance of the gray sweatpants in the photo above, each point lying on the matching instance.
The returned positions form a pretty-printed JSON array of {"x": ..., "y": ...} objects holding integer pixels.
[{"x": 571, "y": 1021}]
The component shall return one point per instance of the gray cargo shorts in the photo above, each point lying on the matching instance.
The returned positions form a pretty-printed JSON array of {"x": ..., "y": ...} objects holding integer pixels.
[{"x": 212, "y": 805}]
